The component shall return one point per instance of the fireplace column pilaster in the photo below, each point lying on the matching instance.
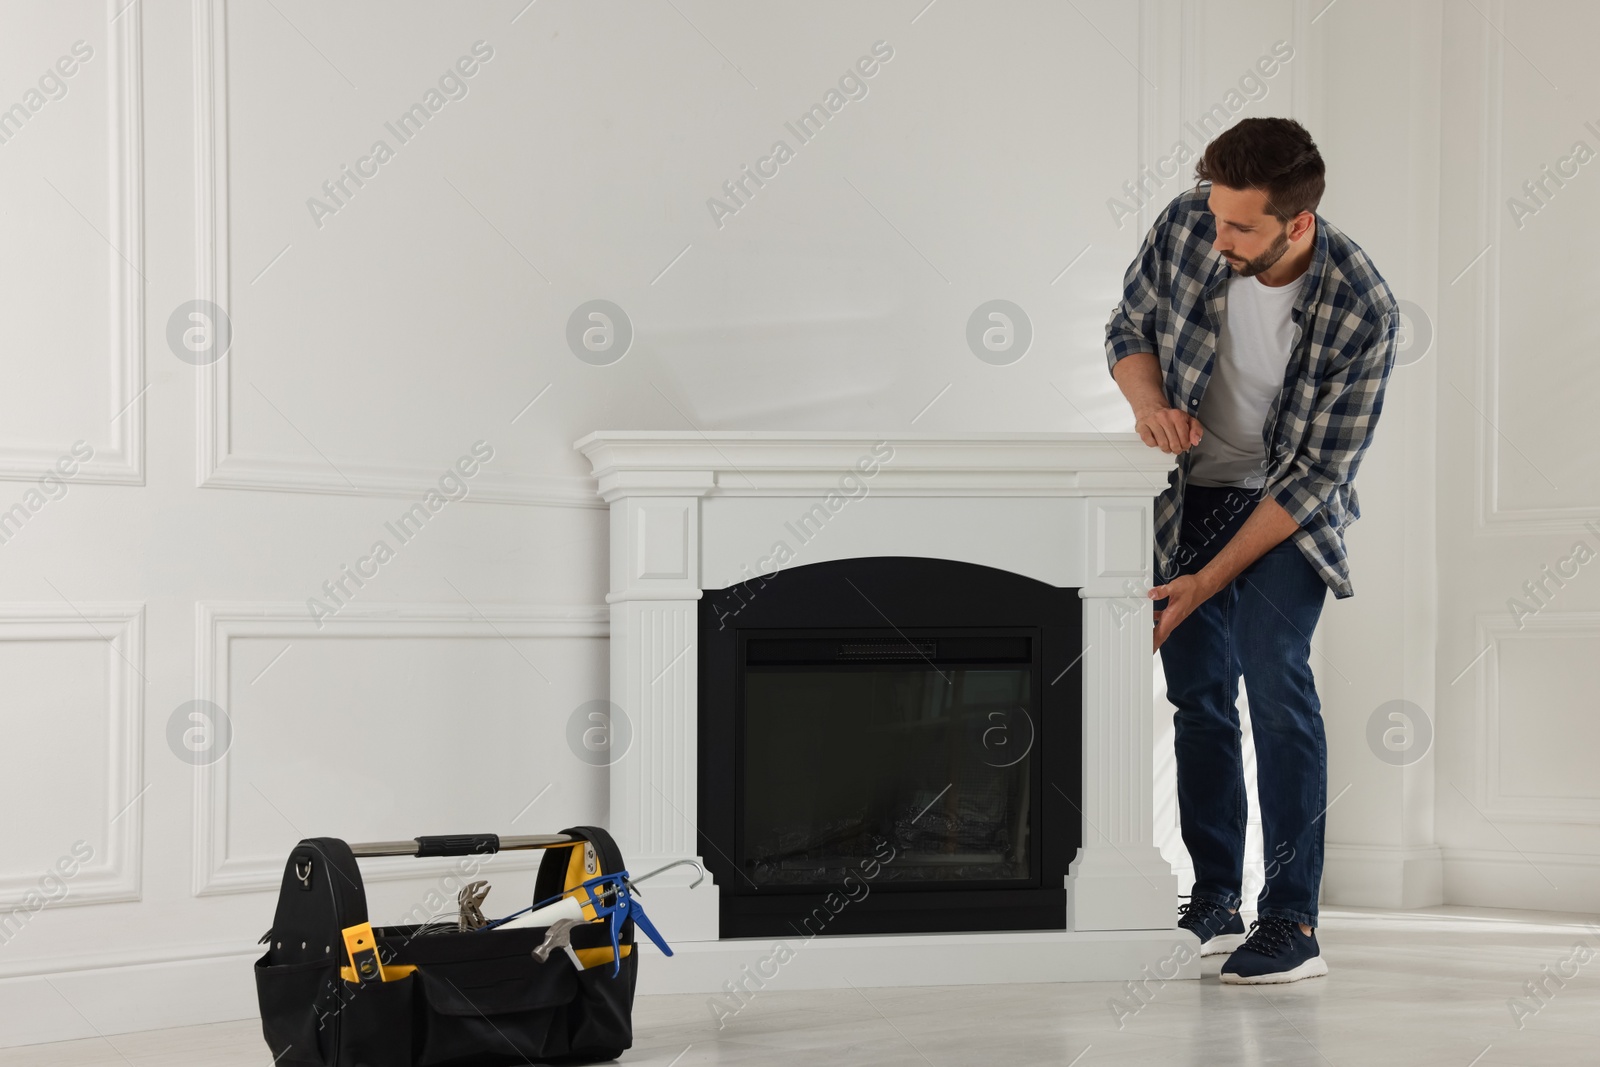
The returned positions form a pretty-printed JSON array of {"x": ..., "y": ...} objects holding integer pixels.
[
  {"x": 654, "y": 599},
  {"x": 1119, "y": 879}
]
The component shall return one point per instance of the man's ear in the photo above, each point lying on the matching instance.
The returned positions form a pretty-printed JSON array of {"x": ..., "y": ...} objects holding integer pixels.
[{"x": 1300, "y": 224}]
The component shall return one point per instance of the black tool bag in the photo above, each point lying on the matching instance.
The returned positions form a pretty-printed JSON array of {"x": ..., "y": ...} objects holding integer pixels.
[{"x": 478, "y": 997}]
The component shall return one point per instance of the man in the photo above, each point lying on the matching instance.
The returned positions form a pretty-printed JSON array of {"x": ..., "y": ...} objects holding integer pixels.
[{"x": 1254, "y": 340}]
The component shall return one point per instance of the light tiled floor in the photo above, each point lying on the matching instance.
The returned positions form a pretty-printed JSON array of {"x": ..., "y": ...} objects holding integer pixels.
[{"x": 1413, "y": 988}]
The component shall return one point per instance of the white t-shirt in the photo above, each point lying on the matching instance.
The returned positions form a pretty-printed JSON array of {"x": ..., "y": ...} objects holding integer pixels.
[{"x": 1252, "y": 357}]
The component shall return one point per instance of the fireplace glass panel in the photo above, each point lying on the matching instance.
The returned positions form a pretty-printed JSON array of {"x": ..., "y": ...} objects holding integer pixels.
[{"x": 938, "y": 759}]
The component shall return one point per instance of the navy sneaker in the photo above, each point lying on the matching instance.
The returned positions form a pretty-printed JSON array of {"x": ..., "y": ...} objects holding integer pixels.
[
  {"x": 1218, "y": 929},
  {"x": 1275, "y": 951}
]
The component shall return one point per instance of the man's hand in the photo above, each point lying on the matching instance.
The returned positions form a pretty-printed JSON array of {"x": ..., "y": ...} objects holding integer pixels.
[
  {"x": 1183, "y": 595},
  {"x": 1168, "y": 429},
  {"x": 1266, "y": 528},
  {"x": 1159, "y": 423}
]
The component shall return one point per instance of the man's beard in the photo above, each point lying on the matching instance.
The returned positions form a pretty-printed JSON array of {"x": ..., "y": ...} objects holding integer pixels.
[{"x": 1251, "y": 268}]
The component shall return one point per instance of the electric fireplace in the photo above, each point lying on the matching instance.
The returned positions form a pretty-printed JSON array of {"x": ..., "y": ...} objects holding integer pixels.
[
  {"x": 897, "y": 683},
  {"x": 913, "y": 723}
]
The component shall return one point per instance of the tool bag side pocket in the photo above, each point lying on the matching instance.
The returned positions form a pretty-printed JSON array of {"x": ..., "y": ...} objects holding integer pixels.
[
  {"x": 297, "y": 1000},
  {"x": 600, "y": 1021},
  {"x": 300, "y": 992}
]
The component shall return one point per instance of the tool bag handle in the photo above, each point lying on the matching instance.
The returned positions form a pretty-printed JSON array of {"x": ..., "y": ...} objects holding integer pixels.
[{"x": 459, "y": 845}]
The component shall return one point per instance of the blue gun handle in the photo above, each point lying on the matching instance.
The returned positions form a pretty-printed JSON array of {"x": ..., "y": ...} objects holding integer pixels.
[
  {"x": 618, "y": 914},
  {"x": 642, "y": 921},
  {"x": 623, "y": 905}
]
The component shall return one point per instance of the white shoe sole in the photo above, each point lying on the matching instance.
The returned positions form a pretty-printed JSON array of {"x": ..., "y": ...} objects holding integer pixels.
[
  {"x": 1221, "y": 944},
  {"x": 1315, "y": 967}
]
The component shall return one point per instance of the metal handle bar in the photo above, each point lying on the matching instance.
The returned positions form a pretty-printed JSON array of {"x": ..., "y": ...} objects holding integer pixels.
[{"x": 460, "y": 845}]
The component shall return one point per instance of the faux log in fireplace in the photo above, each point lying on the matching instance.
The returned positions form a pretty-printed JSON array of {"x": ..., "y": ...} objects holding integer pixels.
[{"x": 889, "y": 745}]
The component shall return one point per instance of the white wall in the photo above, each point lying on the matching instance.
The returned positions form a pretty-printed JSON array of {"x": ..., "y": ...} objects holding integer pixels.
[
  {"x": 373, "y": 346},
  {"x": 437, "y": 700},
  {"x": 1519, "y": 807},
  {"x": 1380, "y": 135}
]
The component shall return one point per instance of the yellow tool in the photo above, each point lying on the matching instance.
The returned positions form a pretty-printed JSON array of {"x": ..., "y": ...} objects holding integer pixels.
[{"x": 361, "y": 945}]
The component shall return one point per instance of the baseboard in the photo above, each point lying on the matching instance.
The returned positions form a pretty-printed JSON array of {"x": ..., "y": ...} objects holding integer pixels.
[
  {"x": 1382, "y": 876},
  {"x": 1542, "y": 881},
  {"x": 83, "y": 1000}
]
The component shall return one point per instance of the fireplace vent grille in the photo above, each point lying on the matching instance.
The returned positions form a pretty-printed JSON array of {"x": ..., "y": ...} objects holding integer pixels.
[{"x": 888, "y": 649}]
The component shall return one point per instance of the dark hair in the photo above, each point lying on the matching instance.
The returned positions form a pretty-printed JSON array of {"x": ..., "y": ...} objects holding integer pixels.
[{"x": 1274, "y": 155}]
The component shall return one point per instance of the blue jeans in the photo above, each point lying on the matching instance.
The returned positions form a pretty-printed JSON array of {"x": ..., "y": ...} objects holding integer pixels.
[{"x": 1260, "y": 625}]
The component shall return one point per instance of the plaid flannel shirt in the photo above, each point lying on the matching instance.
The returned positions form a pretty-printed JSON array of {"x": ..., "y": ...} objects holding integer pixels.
[{"x": 1346, "y": 329}]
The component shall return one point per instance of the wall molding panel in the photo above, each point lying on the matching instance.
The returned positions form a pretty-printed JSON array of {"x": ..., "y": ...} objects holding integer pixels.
[
  {"x": 1493, "y": 518},
  {"x": 122, "y": 462},
  {"x": 114, "y": 872},
  {"x": 218, "y": 623},
  {"x": 1494, "y": 631},
  {"x": 220, "y": 466}
]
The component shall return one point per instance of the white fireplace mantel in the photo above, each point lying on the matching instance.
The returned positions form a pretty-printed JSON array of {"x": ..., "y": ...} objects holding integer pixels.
[{"x": 692, "y": 511}]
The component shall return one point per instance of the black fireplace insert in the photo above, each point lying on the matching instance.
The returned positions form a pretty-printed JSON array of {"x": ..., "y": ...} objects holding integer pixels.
[{"x": 889, "y": 745}]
